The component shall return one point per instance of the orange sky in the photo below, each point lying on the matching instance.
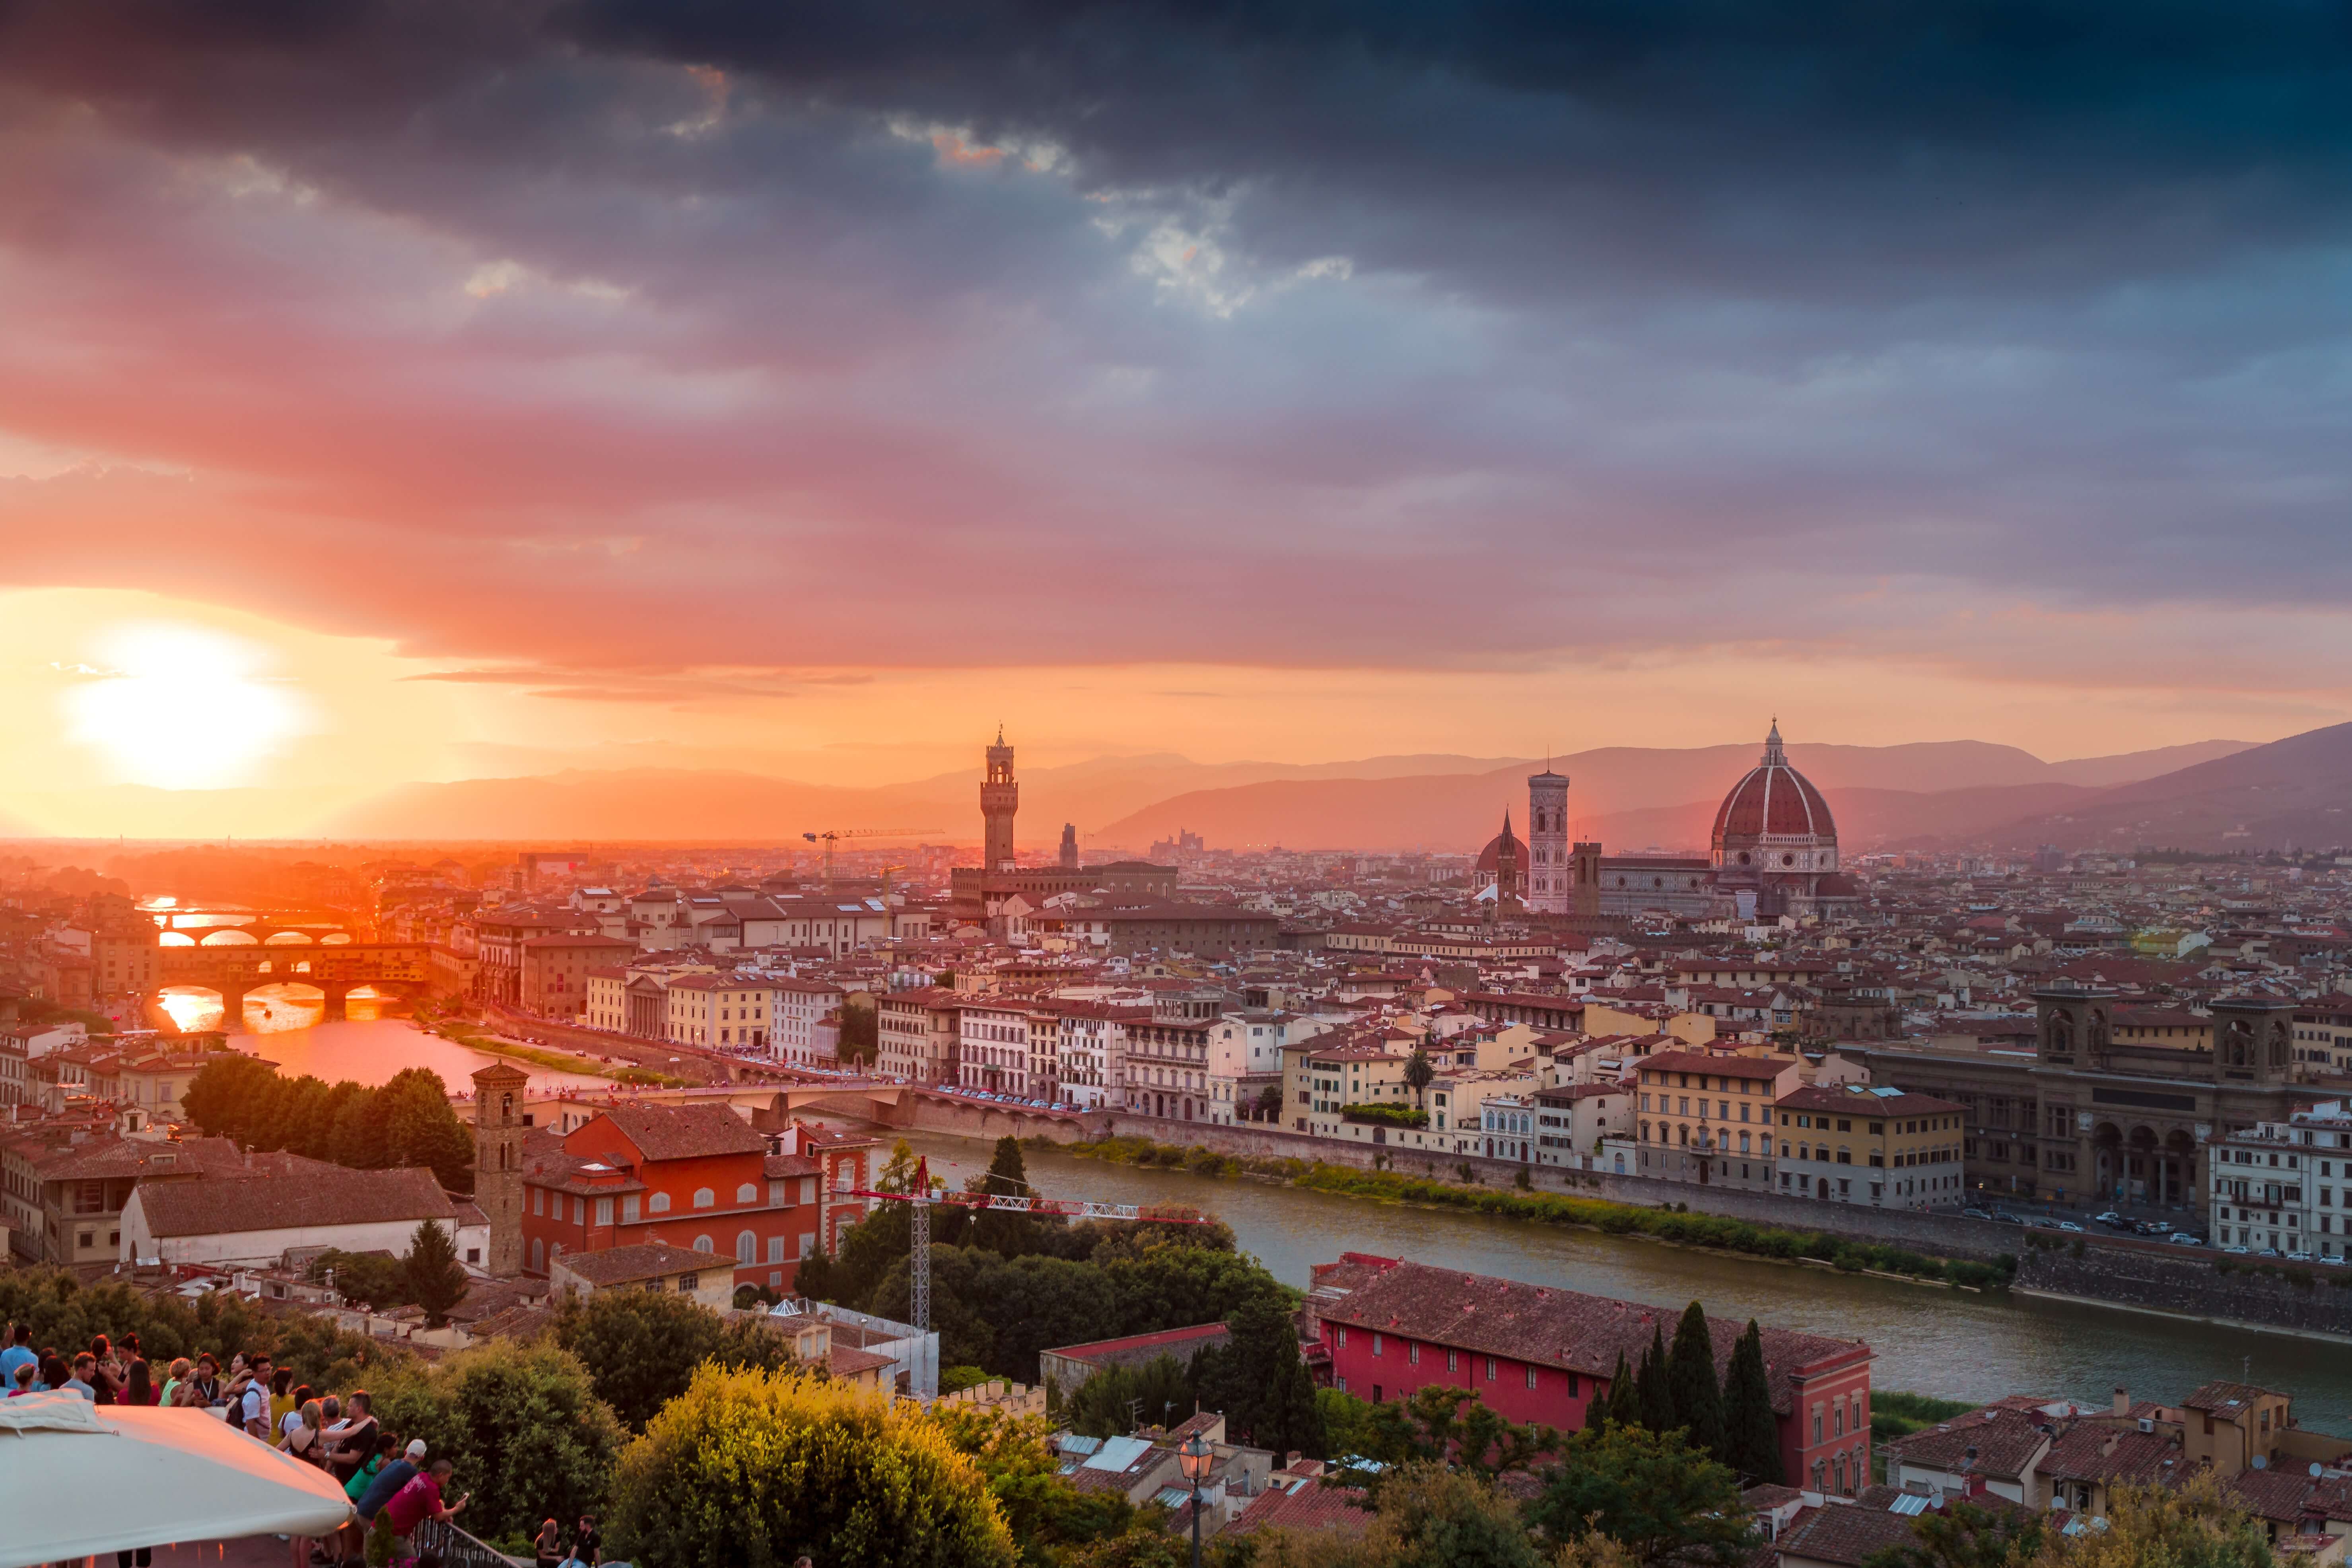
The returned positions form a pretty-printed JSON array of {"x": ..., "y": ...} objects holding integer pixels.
[{"x": 227, "y": 697}]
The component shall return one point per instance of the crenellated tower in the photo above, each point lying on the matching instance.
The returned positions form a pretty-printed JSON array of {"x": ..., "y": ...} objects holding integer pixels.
[{"x": 1000, "y": 797}]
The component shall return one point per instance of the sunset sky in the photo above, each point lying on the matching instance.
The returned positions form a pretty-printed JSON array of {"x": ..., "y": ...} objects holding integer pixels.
[{"x": 437, "y": 390}]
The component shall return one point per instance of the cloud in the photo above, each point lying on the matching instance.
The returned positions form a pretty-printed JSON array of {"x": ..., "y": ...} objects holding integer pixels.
[{"x": 600, "y": 346}]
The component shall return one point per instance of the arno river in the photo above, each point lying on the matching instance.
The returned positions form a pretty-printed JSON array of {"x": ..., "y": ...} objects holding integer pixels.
[{"x": 1947, "y": 1342}]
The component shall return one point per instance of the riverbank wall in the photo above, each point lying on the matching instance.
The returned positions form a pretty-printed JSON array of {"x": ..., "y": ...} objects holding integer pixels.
[
  {"x": 1941, "y": 1236},
  {"x": 2195, "y": 1289}
]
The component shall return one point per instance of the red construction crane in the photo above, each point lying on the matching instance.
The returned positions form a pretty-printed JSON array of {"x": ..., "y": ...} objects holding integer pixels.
[{"x": 922, "y": 1200}]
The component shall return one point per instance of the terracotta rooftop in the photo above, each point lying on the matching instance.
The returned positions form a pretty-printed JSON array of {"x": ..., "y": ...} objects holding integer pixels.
[{"x": 310, "y": 1199}]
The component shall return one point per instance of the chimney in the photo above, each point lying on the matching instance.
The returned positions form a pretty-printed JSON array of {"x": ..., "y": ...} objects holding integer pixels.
[{"x": 2123, "y": 1401}]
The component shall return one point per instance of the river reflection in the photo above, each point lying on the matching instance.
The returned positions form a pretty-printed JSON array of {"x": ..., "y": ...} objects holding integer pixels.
[
  {"x": 369, "y": 1045},
  {"x": 1950, "y": 1343}
]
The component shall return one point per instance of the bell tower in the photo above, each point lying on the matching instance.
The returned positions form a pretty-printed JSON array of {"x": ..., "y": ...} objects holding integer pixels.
[
  {"x": 497, "y": 1162},
  {"x": 1548, "y": 870},
  {"x": 1000, "y": 797}
]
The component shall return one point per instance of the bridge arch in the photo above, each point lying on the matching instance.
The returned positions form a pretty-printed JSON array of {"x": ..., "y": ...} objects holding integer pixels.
[
  {"x": 227, "y": 936},
  {"x": 289, "y": 939}
]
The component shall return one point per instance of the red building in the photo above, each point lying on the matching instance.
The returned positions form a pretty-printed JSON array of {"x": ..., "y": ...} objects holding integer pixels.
[
  {"x": 1535, "y": 1354},
  {"x": 696, "y": 1176}
]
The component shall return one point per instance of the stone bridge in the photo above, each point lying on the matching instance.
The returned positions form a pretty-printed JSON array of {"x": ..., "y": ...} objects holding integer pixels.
[{"x": 408, "y": 969}]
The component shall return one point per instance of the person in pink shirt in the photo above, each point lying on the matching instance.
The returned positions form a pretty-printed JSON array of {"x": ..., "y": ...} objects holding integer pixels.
[{"x": 417, "y": 1501}]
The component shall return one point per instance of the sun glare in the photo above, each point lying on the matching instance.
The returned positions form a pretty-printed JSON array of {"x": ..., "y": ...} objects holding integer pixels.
[{"x": 181, "y": 706}]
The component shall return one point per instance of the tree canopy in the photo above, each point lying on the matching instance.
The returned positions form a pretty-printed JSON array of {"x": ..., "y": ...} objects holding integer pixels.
[
  {"x": 642, "y": 1347},
  {"x": 408, "y": 1121},
  {"x": 1649, "y": 1491},
  {"x": 759, "y": 1467}
]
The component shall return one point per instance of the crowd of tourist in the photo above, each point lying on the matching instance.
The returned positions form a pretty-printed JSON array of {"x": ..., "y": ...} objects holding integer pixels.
[{"x": 393, "y": 1487}]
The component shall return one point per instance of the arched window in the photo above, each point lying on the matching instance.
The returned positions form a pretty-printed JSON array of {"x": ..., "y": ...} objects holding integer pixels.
[
  {"x": 702, "y": 1244},
  {"x": 704, "y": 1197},
  {"x": 747, "y": 1248},
  {"x": 538, "y": 1256},
  {"x": 747, "y": 1194},
  {"x": 658, "y": 1204}
]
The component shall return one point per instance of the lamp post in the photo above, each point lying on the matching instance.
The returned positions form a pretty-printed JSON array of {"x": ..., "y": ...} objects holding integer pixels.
[{"x": 1196, "y": 1458}]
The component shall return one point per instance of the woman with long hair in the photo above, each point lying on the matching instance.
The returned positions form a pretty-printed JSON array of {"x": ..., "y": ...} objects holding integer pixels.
[{"x": 139, "y": 1387}]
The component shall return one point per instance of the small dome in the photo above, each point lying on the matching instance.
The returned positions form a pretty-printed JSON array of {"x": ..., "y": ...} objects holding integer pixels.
[{"x": 1491, "y": 858}]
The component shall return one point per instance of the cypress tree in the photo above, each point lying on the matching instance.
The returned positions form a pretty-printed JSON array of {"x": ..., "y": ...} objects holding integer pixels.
[
  {"x": 1602, "y": 1409},
  {"x": 1657, "y": 1398},
  {"x": 1690, "y": 1378},
  {"x": 1624, "y": 1395},
  {"x": 1751, "y": 1437}
]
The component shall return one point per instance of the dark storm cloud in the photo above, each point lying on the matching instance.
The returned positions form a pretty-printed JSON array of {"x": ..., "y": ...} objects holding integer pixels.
[{"x": 1300, "y": 320}]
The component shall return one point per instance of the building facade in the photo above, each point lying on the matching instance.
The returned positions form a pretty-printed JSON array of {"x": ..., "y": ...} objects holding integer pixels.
[
  {"x": 1881, "y": 1147},
  {"x": 1707, "y": 1117}
]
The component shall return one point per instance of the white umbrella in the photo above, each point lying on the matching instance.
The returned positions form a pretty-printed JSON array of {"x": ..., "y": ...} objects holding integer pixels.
[{"x": 78, "y": 1480}]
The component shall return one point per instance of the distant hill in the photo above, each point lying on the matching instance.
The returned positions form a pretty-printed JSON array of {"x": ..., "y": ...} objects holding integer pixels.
[
  {"x": 2297, "y": 791},
  {"x": 1617, "y": 794}
]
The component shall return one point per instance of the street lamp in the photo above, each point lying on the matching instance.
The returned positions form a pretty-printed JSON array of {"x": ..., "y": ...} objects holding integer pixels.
[{"x": 1196, "y": 1458}]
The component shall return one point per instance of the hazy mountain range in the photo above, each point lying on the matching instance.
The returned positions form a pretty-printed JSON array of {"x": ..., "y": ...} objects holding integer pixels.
[{"x": 2212, "y": 793}]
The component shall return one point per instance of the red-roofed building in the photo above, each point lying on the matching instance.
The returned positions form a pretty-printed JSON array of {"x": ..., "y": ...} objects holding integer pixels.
[
  {"x": 695, "y": 1176},
  {"x": 1534, "y": 1352}
]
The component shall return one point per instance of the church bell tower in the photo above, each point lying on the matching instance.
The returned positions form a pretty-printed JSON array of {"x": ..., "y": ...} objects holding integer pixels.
[
  {"x": 497, "y": 1162},
  {"x": 1000, "y": 797}
]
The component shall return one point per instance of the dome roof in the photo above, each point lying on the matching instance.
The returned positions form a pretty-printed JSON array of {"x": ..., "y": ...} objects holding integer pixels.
[
  {"x": 1491, "y": 858},
  {"x": 1773, "y": 800}
]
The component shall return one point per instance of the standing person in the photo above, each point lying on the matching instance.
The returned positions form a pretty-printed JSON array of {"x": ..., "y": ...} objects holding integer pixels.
[
  {"x": 253, "y": 1406},
  {"x": 106, "y": 1386},
  {"x": 85, "y": 1368},
  {"x": 419, "y": 1501},
  {"x": 285, "y": 1422},
  {"x": 18, "y": 1354},
  {"x": 305, "y": 1441},
  {"x": 547, "y": 1547},
  {"x": 349, "y": 1544},
  {"x": 282, "y": 1402},
  {"x": 139, "y": 1388},
  {"x": 53, "y": 1373},
  {"x": 204, "y": 1387},
  {"x": 356, "y": 1440}
]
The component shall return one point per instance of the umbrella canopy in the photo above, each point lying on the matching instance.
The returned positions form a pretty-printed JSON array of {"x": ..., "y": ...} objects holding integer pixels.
[{"x": 78, "y": 1478}]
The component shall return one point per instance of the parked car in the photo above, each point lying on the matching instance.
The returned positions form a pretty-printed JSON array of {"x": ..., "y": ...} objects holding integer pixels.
[
  {"x": 1974, "y": 1213},
  {"x": 2298, "y": 1257},
  {"x": 2070, "y": 1225},
  {"x": 2113, "y": 1220},
  {"x": 2002, "y": 1216},
  {"x": 2268, "y": 1252},
  {"x": 2182, "y": 1238},
  {"x": 2237, "y": 1251}
]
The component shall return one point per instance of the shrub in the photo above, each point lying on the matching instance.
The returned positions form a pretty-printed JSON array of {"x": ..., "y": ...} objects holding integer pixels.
[{"x": 760, "y": 1467}]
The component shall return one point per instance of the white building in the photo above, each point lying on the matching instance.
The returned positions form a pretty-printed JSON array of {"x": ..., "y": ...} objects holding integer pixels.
[
  {"x": 1091, "y": 1046},
  {"x": 720, "y": 1012},
  {"x": 1244, "y": 1056},
  {"x": 796, "y": 1009},
  {"x": 256, "y": 1218},
  {"x": 992, "y": 1045},
  {"x": 2286, "y": 1186},
  {"x": 1572, "y": 1119}
]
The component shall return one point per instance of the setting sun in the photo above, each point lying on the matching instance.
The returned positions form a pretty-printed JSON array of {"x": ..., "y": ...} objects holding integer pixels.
[{"x": 182, "y": 707}]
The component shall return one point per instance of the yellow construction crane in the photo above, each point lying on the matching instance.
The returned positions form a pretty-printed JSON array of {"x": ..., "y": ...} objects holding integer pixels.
[{"x": 830, "y": 835}]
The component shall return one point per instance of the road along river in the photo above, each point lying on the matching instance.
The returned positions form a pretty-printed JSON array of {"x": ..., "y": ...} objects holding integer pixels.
[{"x": 1953, "y": 1343}]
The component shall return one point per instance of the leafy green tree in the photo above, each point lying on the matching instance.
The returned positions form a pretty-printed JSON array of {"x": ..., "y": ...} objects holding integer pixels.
[
  {"x": 1652, "y": 1389},
  {"x": 1965, "y": 1534},
  {"x": 1751, "y": 1435},
  {"x": 1690, "y": 1378},
  {"x": 220, "y": 1099},
  {"x": 641, "y": 1347},
  {"x": 521, "y": 1422},
  {"x": 369, "y": 1277},
  {"x": 2192, "y": 1525},
  {"x": 756, "y": 1467},
  {"x": 1439, "y": 1423},
  {"x": 1116, "y": 1399},
  {"x": 436, "y": 1281},
  {"x": 1346, "y": 1423},
  {"x": 1259, "y": 1381},
  {"x": 1650, "y": 1492},
  {"x": 420, "y": 1128},
  {"x": 1432, "y": 1516},
  {"x": 1044, "y": 1512},
  {"x": 859, "y": 1041}
]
